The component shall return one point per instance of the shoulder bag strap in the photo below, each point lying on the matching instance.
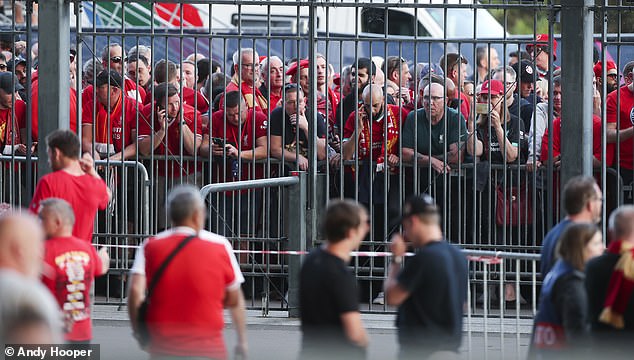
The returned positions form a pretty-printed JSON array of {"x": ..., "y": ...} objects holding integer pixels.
[{"x": 166, "y": 262}]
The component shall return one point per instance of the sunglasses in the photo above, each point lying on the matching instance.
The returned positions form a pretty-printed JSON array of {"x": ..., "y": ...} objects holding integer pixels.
[
  {"x": 116, "y": 59},
  {"x": 3, "y": 66}
]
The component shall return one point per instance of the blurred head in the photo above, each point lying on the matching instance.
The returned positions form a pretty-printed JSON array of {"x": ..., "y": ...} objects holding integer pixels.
[
  {"x": 492, "y": 92},
  {"x": 345, "y": 220},
  {"x": 294, "y": 100},
  {"x": 112, "y": 57},
  {"x": 185, "y": 207},
  {"x": 628, "y": 75},
  {"x": 246, "y": 62},
  {"x": 138, "y": 69},
  {"x": 189, "y": 74},
  {"x": 322, "y": 70},
  {"x": 397, "y": 71},
  {"x": 165, "y": 71},
  {"x": 582, "y": 195},
  {"x": 346, "y": 81},
  {"x": 455, "y": 67},
  {"x": 373, "y": 100},
  {"x": 540, "y": 51},
  {"x": 166, "y": 96},
  {"x": 433, "y": 96},
  {"x": 273, "y": 72},
  {"x": 621, "y": 224},
  {"x": 579, "y": 243},
  {"x": 420, "y": 219},
  {"x": 236, "y": 108},
  {"x": 108, "y": 87},
  {"x": 360, "y": 73},
  {"x": 21, "y": 244},
  {"x": 63, "y": 145},
  {"x": 57, "y": 218},
  {"x": 8, "y": 87},
  {"x": 487, "y": 57},
  {"x": 557, "y": 94},
  {"x": 3, "y": 62},
  {"x": 508, "y": 77},
  {"x": 19, "y": 68}
]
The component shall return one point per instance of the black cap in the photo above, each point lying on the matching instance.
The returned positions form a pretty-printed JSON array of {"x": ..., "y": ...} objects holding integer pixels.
[
  {"x": 525, "y": 71},
  {"x": 109, "y": 75},
  {"x": 9, "y": 82},
  {"x": 419, "y": 204}
]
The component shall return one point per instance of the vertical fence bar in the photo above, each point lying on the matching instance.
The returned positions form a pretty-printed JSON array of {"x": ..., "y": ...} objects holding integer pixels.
[{"x": 295, "y": 203}]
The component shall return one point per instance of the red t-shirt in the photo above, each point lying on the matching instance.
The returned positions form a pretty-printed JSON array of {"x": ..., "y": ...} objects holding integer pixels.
[
  {"x": 10, "y": 129},
  {"x": 185, "y": 315},
  {"x": 626, "y": 113},
  {"x": 34, "y": 109},
  {"x": 85, "y": 194},
  {"x": 377, "y": 132},
  {"x": 71, "y": 266},
  {"x": 129, "y": 89},
  {"x": 195, "y": 98},
  {"x": 596, "y": 141},
  {"x": 247, "y": 143},
  {"x": 465, "y": 108},
  {"x": 118, "y": 132},
  {"x": 172, "y": 138}
]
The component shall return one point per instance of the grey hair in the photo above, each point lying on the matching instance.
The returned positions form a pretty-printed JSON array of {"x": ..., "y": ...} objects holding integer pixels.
[
  {"x": 509, "y": 71},
  {"x": 105, "y": 53},
  {"x": 264, "y": 66},
  {"x": 141, "y": 50},
  {"x": 60, "y": 207},
  {"x": 621, "y": 223},
  {"x": 91, "y": 68},
  {"x": 182, "y": 202},
  {"x": 238, "y": 53}
]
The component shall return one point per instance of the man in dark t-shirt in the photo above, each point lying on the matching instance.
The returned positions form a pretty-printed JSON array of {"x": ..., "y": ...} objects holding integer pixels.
[
  {"x": 431, "y": 289},
  {"x": 329, "y": 305},
  {"x": 290, "y": 140}
]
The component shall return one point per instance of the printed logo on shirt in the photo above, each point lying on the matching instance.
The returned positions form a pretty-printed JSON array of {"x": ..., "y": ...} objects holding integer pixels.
[
  {"x": 441, "y": 139},
  {"x": 73, "y": 264},
  {"x": 632, "y": 116}
]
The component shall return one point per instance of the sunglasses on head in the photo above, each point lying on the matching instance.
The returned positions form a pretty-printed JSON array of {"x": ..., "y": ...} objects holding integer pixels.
[{"x": 115, "y": 59}]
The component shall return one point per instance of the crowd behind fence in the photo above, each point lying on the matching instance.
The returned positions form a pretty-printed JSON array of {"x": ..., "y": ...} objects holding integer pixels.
[{"x": 162, "y": 105}]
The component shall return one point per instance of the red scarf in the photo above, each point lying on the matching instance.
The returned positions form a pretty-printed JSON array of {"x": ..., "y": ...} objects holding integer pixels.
[
  {"x": 247, "y": 91},
  {"x": 102, "y": 131},
  {"x": 365, "y": 140},
  {"x": 621, "y": 285}
]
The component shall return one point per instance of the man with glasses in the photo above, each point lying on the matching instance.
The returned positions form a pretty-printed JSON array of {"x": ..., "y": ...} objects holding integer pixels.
[
  {"x": 112, "y": 57},
  {"x": 430, "y": 290},
  {"x": 246, "y": 66}
]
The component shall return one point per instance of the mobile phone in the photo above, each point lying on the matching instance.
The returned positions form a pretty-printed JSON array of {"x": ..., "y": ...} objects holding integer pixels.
[{"x": 218, "y": 141}]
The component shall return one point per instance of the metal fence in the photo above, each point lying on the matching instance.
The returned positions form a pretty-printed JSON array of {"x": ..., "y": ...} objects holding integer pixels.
[{"x": 494, "y": 205}]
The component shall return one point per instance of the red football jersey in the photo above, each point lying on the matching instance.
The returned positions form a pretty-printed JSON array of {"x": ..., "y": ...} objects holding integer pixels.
[
  {"x": 86, "y": 194},
  {"x": 71, "y": 264},
  {"x": 626, "y": 113},
  {"x": 118, "y": 133}
]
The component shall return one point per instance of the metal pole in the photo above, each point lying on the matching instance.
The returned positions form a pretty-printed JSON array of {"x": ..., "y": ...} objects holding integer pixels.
[
  {"x": 53, "y": 70},
  {"x": 576, "y": 148},
  {"x": 295, "y": 203},
  {"x": 312, "y": 115}
]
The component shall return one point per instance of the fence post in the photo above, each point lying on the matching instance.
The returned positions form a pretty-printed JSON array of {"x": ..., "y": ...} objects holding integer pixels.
[
  {"x": 53, "y": 70},
  {"x": 577, "y": 26},
  {"x": 295, "y": 207}
]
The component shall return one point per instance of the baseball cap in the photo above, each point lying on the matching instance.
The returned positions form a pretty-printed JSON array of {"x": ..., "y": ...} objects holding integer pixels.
[
  {"x": 525, "y": 70},
  {"x": 417, "y": 205},
  {"x": 492, "y": 87},
  {"x": 9, "y": 82},
  {"x": 336, "y": 79},
  {"x": 431, "y": 68},
  {"x": 452, "y": 59},
  {"x": 109, "y": 75},
  {"x": 292, "y": 70},
  {"x": 543, "y": 38},
  {"x": 610, "y": 69}
]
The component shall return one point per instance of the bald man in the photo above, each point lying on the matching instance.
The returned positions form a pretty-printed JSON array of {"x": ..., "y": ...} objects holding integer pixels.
[
  {"x": 72, "y": 264},
  {"x": 28, "y": 312}
]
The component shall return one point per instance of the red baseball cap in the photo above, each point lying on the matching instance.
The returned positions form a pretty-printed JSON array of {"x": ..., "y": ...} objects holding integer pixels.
[
  {"x": 336, "y": 79},
  {"x": 610, "y": 70},
  {"x": 543, "y": 38},
  {"x": 292, "y": 70},
  {"x": 492, "y": 87},
  {"x": 262, "y": 58}
]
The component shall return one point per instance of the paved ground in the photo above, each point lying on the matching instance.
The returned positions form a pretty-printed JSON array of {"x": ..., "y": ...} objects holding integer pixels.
[{"x": 277, "y": 337}]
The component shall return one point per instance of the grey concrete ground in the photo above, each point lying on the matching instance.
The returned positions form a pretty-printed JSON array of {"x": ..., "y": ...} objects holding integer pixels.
[{"x": 277, "y": 337}]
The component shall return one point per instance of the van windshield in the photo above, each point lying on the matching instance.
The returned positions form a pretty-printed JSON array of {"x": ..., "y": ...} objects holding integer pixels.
[{"x": 460, "y": 23}]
